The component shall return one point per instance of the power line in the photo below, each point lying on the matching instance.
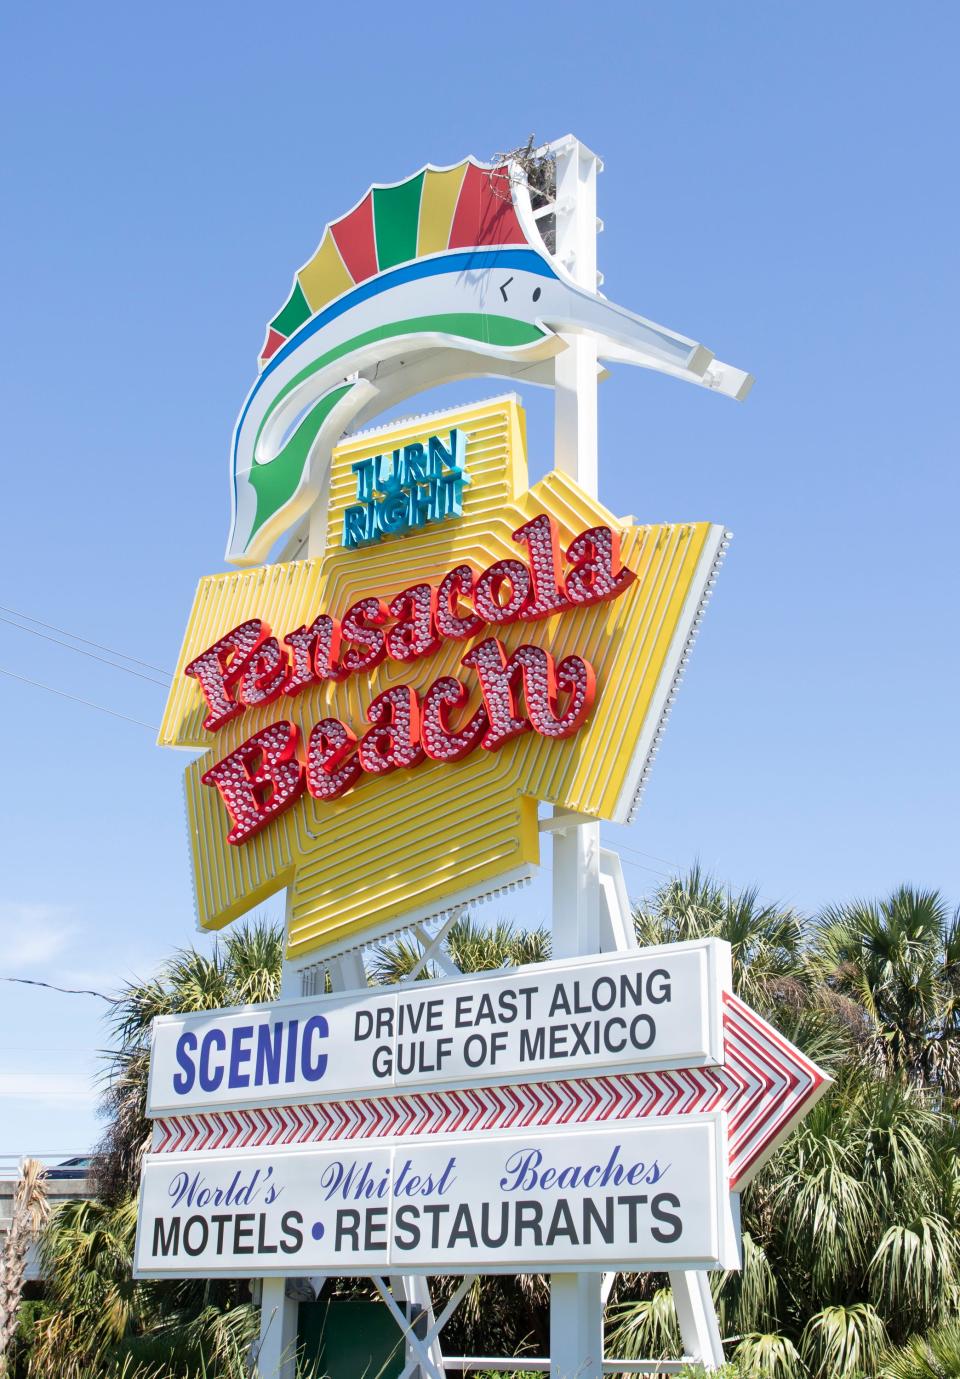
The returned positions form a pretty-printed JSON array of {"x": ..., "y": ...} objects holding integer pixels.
[
  {"x": 74, "y": 698},
  {"x": 86, "y": 640},
  {"x": 637, "y": 852},
  {"x": 80, "y": 652},
  {"x": 640, "y": 867},
  {"x": 66, "y": 990}
]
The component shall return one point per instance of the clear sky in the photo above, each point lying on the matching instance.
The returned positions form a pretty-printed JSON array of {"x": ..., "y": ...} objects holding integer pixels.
[{"x": 780, "y": 183}]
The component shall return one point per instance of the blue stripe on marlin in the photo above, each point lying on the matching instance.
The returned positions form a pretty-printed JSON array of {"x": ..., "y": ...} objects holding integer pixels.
[{"x": 499, "y": 310}]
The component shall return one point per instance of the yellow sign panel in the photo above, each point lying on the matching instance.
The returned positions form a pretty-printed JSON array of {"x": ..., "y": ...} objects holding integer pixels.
[{"x": 411, "y": 842}]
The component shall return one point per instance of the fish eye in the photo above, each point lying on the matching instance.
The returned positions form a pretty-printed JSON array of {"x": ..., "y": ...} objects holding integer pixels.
[
  {"x": 536, "y": 294},
  {"x": 503, "y": 288}
]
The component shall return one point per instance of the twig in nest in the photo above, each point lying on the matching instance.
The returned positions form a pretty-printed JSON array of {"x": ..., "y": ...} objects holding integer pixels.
[{"x": 538, "y": 171}]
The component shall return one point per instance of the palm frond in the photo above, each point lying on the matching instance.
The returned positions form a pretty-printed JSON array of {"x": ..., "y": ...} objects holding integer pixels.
[
  {"x": 768, "y": 1356},
  {"x": 843, "y": 1342}
]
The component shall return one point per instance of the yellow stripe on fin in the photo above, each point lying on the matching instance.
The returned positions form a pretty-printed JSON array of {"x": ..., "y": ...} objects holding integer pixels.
[
  {"x": 325, "y": 276},
  {"x": 437, "y": 205}
]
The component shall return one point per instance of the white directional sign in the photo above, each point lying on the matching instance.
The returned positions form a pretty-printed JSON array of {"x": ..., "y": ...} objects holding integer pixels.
[
  {"x": 576, "y": 1114},
  {"x": 594, "y": 1198},
  {"x": 655, "y": 1008}
]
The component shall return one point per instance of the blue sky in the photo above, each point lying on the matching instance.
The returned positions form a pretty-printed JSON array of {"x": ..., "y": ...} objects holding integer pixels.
[{"x": 778, "y": 185}]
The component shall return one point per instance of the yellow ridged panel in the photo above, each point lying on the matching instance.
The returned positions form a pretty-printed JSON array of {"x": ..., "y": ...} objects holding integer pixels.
[
  {"x": 438, "y": 201},
  {"x": 325, "y": 276},
  {"x": 408, "y": 841}
]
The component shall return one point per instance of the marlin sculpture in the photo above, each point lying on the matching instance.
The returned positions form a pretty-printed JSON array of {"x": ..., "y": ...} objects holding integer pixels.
[{"x": 441, "y": 277}]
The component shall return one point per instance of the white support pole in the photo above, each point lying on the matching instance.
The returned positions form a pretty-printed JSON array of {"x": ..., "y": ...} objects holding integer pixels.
[
  {"x": 576, "y": 1326},
  {"x": 697, "y": 1316},
  {"x": 590, "y": 906},
  {"x": 575, "y": 403},
  {"x": 414, "y": 1290},
  {"x": 576, "y": 888},
  {"x": 576, "y": 1306},
  {"x": 277, "y": 1351}
]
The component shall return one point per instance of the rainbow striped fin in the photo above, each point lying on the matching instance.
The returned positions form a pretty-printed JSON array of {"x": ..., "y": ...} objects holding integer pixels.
[{"x": 466, "y": 206}]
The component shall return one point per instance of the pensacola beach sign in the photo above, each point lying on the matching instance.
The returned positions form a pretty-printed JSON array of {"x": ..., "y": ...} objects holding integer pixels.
[{"x": 440, "y": 650}]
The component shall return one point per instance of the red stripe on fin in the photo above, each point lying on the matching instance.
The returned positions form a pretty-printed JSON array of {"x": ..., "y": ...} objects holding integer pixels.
[
  {"x": 485, "y": 213},
  {"x": 354, "y": 237},
  {"x": 273, "y": 343}
]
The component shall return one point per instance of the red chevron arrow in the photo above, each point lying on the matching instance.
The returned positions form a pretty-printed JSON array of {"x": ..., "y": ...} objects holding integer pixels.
[{"x": 765, "y": 1085}]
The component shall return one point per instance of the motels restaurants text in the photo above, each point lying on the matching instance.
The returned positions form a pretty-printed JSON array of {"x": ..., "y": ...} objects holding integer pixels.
[{"x": 248, "y": 667}]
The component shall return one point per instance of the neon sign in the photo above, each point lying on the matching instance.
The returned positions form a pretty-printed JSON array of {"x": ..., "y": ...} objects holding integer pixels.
[
  {"x": 423, "y": 484},
  {"x": 521, "y": 690}
]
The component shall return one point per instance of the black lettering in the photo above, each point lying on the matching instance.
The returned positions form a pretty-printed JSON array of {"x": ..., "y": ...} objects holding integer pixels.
[
  {"x": 592, "y": 1217},
  {"x": 486, "y": 1235},
  {"x": 243, "y": 1230},
  {"x": 382, "y": 1063},
  {"x": 404, "y": 1216},
  {"x": 657, "y": 996},
  {"x": 435, "y": 1212},
  {"x": 408, "y": 1019},
  {"x": 220, "y": 1221},
  {"x": 532, "y": 1047},
  {"x": 462, "y": 1228},
  {"x": 632, "y": 1205},
  {"x": 558, "y": 1040},
  {"x": 348, "y": 1228},
  {"x": 528, "y": 1218},
  {"x": 643, "y": 1031},
  {"x": 631, "y": 988},
  {"x": 485, "y": 1009},
  {"x": 475, "y": 1051},
  {"x": 375, "y": 1228},
  {"x": 192, "y": 1221},
  {"x": 667, "y": 1217},
  {"x": 262, "y": 1246},
  {"x": 507, "y": 1001},
  {"x": 559, "y": 1001},
  {"x": 166, "y": 1242},
  {"x": 561, "y": 1224},
  {"x": 604, "y": 986},
  {"x": 289, "y": 1222}
]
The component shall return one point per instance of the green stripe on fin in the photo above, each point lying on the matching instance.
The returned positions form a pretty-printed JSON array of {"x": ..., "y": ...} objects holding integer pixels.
[
  {"x": 467, "y": 325},
  {"x": 276, "y": 483},
  {"x": 296, "y": 310},
  {"x": 396, "y": 219}
]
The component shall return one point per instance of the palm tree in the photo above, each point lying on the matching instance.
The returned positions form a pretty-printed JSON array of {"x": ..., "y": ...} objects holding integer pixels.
[
  {"x": 933, "y": 1356},
  {"x": 852, "y": 1232},
  {"x": 244, "y": 967},
  {"x": 30, "y": 1210},
  {"x": 851, "y": 1262},
  {"x": 766, "y": 939},
  {"x": 99, "y": 1314},
  {"x": 899, "y": 959}
]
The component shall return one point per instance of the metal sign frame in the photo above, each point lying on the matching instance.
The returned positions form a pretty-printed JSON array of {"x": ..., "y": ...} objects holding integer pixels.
[{"x": 590, "y": 914}]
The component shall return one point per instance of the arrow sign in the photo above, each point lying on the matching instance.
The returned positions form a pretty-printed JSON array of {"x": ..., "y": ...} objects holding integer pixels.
[{"x": 765, "y": 1085}]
